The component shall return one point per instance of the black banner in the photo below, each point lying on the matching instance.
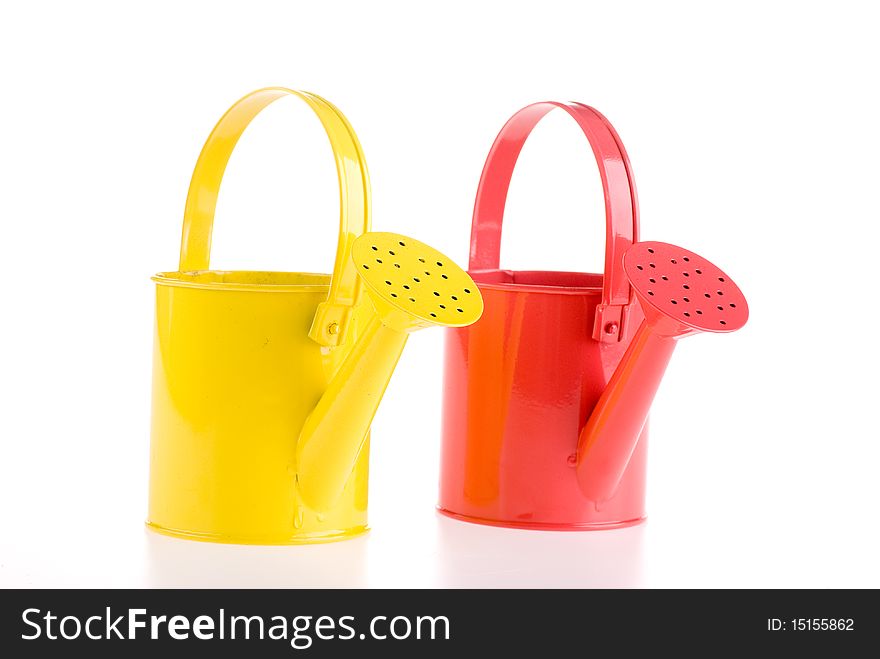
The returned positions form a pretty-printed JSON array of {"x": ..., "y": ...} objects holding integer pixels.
[{"x": 318, "y": 623}]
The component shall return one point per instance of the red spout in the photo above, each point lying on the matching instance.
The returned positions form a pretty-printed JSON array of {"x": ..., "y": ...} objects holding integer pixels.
[{"x": 680, "y": 293}]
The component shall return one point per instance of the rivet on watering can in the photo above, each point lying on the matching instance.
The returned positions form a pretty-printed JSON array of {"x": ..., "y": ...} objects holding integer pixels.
[{"x": 611, "y": 328}]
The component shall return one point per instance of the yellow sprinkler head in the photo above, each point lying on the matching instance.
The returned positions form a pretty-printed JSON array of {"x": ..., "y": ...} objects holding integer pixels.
[{"x": 412, "y": 285}]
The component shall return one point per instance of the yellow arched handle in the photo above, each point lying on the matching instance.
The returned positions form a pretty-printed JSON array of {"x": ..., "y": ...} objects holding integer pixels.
[{"x": 331, "y": 321}]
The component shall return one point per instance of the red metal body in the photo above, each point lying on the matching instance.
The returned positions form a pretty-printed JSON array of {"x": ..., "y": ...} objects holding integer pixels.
[{"x": 521, "y": 383}]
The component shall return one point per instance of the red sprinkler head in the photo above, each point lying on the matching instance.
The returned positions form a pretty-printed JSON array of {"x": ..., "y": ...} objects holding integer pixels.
[{"x": 681, "y": 294}]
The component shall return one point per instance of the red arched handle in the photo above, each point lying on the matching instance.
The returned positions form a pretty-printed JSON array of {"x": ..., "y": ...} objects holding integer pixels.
[{"x": 621, "y": 204}]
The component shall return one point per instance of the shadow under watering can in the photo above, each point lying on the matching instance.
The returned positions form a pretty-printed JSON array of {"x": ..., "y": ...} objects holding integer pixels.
[
  {"x": 546, "y": 398},
  {"x": 265, "y": 383}
]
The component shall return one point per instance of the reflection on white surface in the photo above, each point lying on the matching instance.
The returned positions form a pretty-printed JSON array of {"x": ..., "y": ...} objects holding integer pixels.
[
  {"x": 174, "y": 563},
  {"x": 465, "y": 556},
  {"x": 476, "y": 556}
]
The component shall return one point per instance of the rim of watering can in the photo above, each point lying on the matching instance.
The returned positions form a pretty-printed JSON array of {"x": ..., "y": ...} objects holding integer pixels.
[
  {"x": 237, "y": 281},
  {"x": 570, "y": 283}
]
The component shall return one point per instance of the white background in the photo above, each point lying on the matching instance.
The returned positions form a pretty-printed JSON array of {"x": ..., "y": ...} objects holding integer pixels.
[{"x": 753, "y": 133}]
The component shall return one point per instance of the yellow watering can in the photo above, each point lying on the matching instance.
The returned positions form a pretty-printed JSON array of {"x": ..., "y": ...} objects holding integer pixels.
[{"x": 265, "y": 383}]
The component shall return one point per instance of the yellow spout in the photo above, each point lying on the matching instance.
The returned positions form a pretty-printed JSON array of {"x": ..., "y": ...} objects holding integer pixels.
[
  {"x": 334, "y": 433},
  {"x": 411, "y": 286}
]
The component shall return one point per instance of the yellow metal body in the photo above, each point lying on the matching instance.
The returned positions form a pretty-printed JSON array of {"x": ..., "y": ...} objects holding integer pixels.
[{"x": 242, "y": 358}]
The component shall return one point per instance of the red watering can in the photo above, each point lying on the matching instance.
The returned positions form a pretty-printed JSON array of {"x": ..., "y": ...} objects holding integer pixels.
[{"x": 546, "y": 397}]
